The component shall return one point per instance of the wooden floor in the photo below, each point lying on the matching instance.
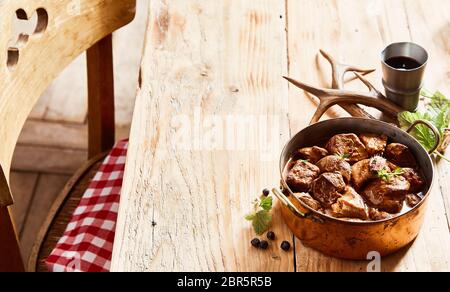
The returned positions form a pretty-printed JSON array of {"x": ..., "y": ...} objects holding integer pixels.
[{"x": 53, "y": 144}]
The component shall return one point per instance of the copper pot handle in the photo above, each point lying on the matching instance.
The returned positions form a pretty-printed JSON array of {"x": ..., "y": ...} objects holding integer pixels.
[
  {"x": 432, "y": 128},
  {"x": 287, "y": 203}
]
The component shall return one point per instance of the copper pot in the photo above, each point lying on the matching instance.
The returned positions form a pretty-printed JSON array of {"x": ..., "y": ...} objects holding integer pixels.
[{"x": 350, "y": 239}]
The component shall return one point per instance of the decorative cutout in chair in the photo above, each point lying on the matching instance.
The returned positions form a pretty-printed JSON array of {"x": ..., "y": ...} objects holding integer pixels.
[{"x": 24, "y": 28}]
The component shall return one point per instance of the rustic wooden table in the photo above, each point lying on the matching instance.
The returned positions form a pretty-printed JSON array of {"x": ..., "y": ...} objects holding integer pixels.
[{"x": 213, "y": 113}]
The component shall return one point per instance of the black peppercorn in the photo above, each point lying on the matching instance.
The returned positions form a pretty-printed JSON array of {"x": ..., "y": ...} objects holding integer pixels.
[
  {"x": 271, "y": 235},
  {"x": 285, "y": 245},
  {"x": 263, "y": 244},
  {"x": 255, "y": 242}
]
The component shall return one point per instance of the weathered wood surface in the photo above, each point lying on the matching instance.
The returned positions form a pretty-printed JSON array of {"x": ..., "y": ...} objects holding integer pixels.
[
  {"x": 228, "y": 59},
  {"x": 358, "y": 38},
  {"x": 204, "y": 60}
]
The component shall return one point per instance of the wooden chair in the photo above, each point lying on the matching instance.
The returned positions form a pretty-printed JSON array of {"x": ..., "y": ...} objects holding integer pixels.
[{"x": 28, "y": 64}]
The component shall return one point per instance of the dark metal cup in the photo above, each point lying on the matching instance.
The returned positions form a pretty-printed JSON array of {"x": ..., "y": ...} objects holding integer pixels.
[{"x": 403, "y": 84}]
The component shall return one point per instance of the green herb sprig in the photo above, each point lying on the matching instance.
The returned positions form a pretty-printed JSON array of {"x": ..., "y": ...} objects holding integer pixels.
[
  {"x": 436, "y": 111},
  {"x": 260, "y": 217},
  {"x": 343, "y": 155},
  {"x": 386, "y": 175}
]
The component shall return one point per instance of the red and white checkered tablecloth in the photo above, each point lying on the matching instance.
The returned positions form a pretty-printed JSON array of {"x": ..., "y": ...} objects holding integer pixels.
[{"x": 87, "y": 243}]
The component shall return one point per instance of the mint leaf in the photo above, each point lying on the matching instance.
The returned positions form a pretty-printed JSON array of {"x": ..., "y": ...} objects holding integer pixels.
[
  {"x": 266, "y": 203},
  {"x": 424, "y": 135},
  {"x": 250, "y": 217},
  {"x": 438, "y": 99},
  {"x": 437, "y": 111},
  {"x": 261, "y": 222},
  {"x": 261, "y": 217}
]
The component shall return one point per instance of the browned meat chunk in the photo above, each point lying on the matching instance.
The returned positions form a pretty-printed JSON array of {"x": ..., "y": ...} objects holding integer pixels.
[
  {"x": 391, "y": 205},
  {"x": 375, "y": 144},
  {"x": 348, "y": 146},
  {"x": 366, "y": 170},
  {"x": 415, "y": 180},
  {"x": 336, "y": 164},
  {"x": 328, "y": 188},
  {"x": 392, "y": 166},
  {"x": 309, "y": 201},
  {"x": 413, "y": 200},
  {"x": 400, "y": 155},
  {"x": 301, "y": 175},
  {"x": 377, "y": 215},
  {"x": 312, "y": 154},
  {"x": 350, "y": 205},
  {"x": 387, "y": 194}
]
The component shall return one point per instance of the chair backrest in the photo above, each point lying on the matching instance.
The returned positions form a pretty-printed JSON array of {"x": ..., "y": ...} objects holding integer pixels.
[{"x": 62, "y": 30}]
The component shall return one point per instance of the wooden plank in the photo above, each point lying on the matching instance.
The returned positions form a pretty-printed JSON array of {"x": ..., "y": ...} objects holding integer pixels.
[
  {"x": 61, "y": 135},
  {"x": 428, "y": 24},
  {"x": 48, "y": 160},
  {"x": 204, "y": 61},
  {"x": 101, "y": 116},
  {"x": 22, "y": 188},
  {"x": 47, "y": 189},
  {"x": 126, "y": 66},
  {"x": 54, "y": 135},
  {"x": 357, "y": 31}
]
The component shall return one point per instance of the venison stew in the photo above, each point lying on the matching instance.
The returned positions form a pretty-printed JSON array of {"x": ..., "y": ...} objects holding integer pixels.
[
  {"x": 357, "y": 177},
  {"x": 352, "y": 186}
]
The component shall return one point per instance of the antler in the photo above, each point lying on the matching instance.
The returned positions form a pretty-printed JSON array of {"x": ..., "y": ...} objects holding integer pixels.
[
  {"x": 340, "y": 69},
  {"x": 338, "y": 75},
  {"x": 331, "y": 97},
  {"x": 348, "y": 100}
]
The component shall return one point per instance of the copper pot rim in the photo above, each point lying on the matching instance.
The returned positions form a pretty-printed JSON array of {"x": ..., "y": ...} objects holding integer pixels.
[{"x": 349, "y": 222}]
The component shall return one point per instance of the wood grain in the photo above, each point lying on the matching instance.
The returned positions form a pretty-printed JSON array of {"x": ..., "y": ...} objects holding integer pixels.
[
  {"x": 22, "y": 186},
  {"x": 358, "y": 31},
  {"x": 183, "y": 204},
  {"x": 47, "y": 189},
  {"x": 432, "y": 29},
  {"x": 48, "y": 159},
  {"x": 101, "y": 115},
  {"x": 57, "y": 135},
  {"x": 45, "y": 54}
]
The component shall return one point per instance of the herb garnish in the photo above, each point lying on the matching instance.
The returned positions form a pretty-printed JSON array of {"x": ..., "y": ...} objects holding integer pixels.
[
  {"x": 437, "y": 111},
  {"x": 261, "y": 218},
  {"x": 385, "y": 175},
  {"x": 343, "y": 155}
]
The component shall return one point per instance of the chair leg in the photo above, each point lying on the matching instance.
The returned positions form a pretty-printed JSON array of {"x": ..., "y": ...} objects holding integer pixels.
[
  {"x": 101, "y": 120},
  {"x": 10, "y": 257}
]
